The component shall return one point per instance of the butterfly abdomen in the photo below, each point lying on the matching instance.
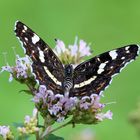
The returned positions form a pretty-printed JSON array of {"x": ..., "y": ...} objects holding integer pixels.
[{"x": 68, "y": 83}]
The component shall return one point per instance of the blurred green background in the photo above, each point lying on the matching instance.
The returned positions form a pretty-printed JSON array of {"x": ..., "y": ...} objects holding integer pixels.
[{"x": 106, "y": 24}]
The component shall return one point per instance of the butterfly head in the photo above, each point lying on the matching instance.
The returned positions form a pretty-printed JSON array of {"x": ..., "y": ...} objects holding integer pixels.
[{"x": 69, "y": 70}]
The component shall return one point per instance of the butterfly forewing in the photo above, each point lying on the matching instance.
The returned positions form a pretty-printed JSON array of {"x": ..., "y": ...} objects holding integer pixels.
[
  {"x": 89, "y": 77},
  {"x": 94, "y": 75},
  {"x": 46, "y": 65}
]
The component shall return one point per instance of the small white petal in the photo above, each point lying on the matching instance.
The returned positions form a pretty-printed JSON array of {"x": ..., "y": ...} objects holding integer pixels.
[
  {"x": 10, "y": 78},
  {"x": 27, "y": 119},
  {"x": 35, "y": 111}
]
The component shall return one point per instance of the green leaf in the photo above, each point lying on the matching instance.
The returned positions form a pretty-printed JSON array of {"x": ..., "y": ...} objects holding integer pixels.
[
  {"x": 25, "y": 91},
  {"x": 54, "y": 137}
]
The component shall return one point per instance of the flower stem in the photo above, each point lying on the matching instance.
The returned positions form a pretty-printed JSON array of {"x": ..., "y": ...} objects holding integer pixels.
[
  {"x": 37, "y": 133},
  {"x": 31, "y": 88},
  {"x": 37, "y": 136},
  {"x": 46, "y": 132}
]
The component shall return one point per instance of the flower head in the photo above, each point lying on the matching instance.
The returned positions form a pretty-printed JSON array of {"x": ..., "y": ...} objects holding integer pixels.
[
  {"x": 60, "y": 107},
  {"x": 22, "y": 70},
  {"x": 73, "y": 53},
  {"x": 6, "y": 133},
  {"x": 30, "y": 124},
  {"x": 57, "y": 105}
]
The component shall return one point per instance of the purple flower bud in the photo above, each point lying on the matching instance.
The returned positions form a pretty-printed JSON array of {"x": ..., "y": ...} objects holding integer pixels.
[
  {"x": 107, "y": 115},
  {"x": 73, "y": 49},
  {"x": 27, "y": 119},
  {"x": 41, "y": 94},
  {"x": 85, "y": 102},
  {"x": 6, "y": 68},
  {"x": 60, "y": 119},
  {"x": 4, "y": 131},
  {"x": 60, "y": 47},
  {"x": 22, "y": 67},
  {"x": 84, "y": 49},
  {"x": 55, "y": 109},
  {"x": 10, "y": 78},
  {"x": 42, "y": 89}
]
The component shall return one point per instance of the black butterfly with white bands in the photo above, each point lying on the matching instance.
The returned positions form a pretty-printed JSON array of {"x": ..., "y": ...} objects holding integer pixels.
[{"x": 89, "y": 77}]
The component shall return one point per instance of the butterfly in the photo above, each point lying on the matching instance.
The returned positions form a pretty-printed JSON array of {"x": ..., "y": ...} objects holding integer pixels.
[{"x": 89, "y": 77}]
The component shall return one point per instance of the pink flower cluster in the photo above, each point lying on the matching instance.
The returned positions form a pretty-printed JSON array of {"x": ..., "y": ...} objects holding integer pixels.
[
  {"x": 21, "y": 70},
  {"x": 73, "y": 53},
  {"x": 61, "y": 106},
  {"x": 57, "y": 105}
]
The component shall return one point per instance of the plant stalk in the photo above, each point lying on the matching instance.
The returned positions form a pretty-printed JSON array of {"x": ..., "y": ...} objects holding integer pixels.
[{"x": 46, "y": 132}]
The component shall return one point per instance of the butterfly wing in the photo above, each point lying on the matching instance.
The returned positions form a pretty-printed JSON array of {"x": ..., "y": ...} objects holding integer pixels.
[
  {"x": 94, "y": 75},
  {"x": 46, "y": 65}
]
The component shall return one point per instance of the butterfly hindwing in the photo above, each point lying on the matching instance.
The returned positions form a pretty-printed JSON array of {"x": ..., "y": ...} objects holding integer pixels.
[
  {"x": 89, "y": 77},
  {"x": 94, "y": 75},
  {"x": 46, "y": 65}
]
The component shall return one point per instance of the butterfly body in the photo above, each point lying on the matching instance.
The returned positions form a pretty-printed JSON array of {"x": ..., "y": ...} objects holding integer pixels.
[
  {"x": 68, "y": 79},
  {"x": 89, "y": 77}
]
